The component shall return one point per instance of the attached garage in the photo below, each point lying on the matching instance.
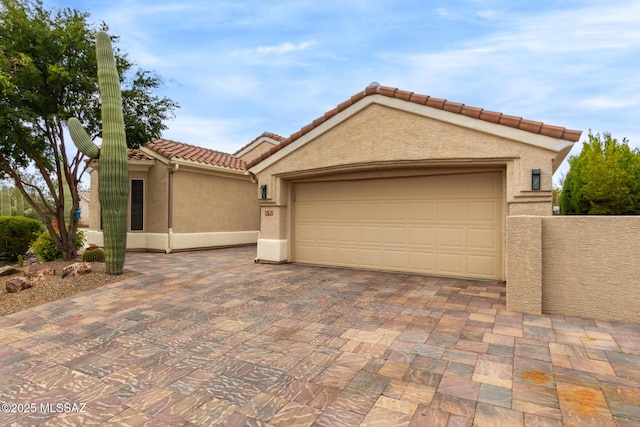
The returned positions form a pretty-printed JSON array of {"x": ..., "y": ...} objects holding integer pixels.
[
  {"x": 395, "y": 181},
  {"x": 446, "y": 225}
]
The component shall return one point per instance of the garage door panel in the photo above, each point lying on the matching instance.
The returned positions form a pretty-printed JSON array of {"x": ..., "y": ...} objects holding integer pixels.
[
  {"x": 442, "y": 225},
  {"x": 395, "y": 211},
  {"x": 478, "y": 238},
  {"x": 451, "y": 264},
  {"x": 422, "y": 212},
  {"x": 370, "y": 234},
  {"x": 484, "y": 185},
  {"x": 396, "y": 235},
  {"x": 348, "y": 255},
  {"x": 451, "y": 212},
  {"x": 480, "y": 265},
  {"x": 349, "y": 234},
  {"x": 326, "y": 233},
  {"x": 423, "y": 236},
  {"x": 451, "y": 237},
  {"x": 395, "y": 260},
  {"x": 371, "y": 258},
  {"x": 371, "y": 211},
  {"x": 422, "y": 262},
  {"x": 482, "y": 211}
]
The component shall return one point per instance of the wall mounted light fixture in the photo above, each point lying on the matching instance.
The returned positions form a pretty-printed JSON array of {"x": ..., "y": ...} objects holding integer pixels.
[
  {"x": 263, "y": 191},
  {"x": 535, "y": 179}
]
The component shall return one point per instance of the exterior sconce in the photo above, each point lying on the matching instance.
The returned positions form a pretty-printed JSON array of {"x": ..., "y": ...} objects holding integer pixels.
[
  {"x": 535, "y": 179},
  {"x": 263, "y": 191}
]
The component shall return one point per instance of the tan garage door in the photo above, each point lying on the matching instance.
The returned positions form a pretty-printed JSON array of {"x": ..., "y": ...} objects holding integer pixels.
[{"x": 448, "y": 225}]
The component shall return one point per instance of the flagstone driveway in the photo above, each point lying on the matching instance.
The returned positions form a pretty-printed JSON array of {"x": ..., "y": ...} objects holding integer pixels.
[{"x": 206, "y": 338}]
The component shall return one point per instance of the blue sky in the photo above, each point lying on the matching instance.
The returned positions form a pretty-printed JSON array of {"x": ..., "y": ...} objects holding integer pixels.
[{"x": 239, "y": 68}]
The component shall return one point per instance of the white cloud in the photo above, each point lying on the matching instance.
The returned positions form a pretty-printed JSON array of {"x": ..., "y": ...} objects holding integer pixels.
[{"x": 280, "y": 49}]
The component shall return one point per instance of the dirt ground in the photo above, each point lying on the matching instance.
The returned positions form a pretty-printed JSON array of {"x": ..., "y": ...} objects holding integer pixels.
[{"x": 54, "y": 287}]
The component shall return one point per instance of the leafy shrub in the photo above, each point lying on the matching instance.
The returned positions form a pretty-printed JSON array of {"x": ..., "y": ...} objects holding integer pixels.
[
  {"x": 603, "y": 180},
  {"x": 30, "y": 213},
  {"x": 16, "y": 233},
  {"x": 46, "y": 249},
  {"x": 93, "y": 254}
]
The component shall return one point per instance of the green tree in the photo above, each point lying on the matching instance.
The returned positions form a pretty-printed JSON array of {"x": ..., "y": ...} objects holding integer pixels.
[
  {"x": 603, "y": 180},
  {"x": 48, "y": 73}
]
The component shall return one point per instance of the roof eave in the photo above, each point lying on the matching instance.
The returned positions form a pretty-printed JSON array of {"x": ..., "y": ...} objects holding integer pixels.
[
  {"x": 206, "y": 166},
  {"x": 302, "y": 137}
]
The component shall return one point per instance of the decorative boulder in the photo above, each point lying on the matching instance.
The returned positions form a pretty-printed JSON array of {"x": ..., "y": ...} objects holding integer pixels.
[
  {"x": 8, "y": 271},
  {"x": 77, "y": 269},
  {"x": 36, "y": 272},
  {"x": 18, "y": 284}
]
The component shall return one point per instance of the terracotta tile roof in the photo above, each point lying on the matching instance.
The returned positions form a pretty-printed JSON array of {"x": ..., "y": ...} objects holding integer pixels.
[
  {"x": 442, "y": 104},
  {"x": 137, "y": 155},
  {"x": 172, "y": 149},
  {"x": 264, "y": 135}
]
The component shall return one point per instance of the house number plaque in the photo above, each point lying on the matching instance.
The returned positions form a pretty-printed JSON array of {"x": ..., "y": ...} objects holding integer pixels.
[{"x": 268, "y": 213}]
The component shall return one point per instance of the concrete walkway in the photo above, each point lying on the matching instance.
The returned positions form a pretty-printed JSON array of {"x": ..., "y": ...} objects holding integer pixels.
[{"x": 210, "y": 338}]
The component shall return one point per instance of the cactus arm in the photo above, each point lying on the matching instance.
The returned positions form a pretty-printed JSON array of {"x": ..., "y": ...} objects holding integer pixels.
[{"x": 81, "y": 139}]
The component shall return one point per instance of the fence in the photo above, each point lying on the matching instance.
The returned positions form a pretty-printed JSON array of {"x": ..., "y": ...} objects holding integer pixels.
[{"x": 586, "y": 266}]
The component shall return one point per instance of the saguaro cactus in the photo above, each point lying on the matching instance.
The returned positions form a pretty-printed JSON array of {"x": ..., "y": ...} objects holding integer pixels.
[
  {"x": 19, "y": 203},
  {"x": 6, "y": 201},
  {"x": 113, "y": 188}
]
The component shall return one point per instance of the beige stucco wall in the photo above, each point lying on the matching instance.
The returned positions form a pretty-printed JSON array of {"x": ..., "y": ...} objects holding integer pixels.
[
  {"x": 257, "y": 151},
  {"x": 589, "y": 266},
  {"x": 523, "y": 259},
  {"x": 384, "y": 138},
  {"x": 209, "y": 208},
  {"x": 156, "y": 203},
  {"x": 206, "y": 202},
  {"x": 94, "y": 214}
]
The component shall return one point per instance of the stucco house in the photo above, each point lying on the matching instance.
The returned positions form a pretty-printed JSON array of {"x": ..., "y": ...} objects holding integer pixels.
[
  {"x": 393, "y": 180},
  {"x": 85, "y": 207},
  {"x": 186, "y": 197}
]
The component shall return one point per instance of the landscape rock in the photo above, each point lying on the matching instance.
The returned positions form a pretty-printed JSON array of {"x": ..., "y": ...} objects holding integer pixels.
[
  {"x": 31, "y": 258},
  {"x": 77, "y": 269},
  {"x": 17, "y": 284},
  {"x": 36, "y": 272},
  {"x": 8, "y": 271}
]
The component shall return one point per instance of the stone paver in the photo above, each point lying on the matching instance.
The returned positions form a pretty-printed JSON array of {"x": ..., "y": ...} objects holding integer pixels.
[{"x": 210, "y": 338}]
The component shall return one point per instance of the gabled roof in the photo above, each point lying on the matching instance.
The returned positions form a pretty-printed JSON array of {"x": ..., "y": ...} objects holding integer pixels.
[
  {"x": 137, "y": 155},
  {"x": 178, "y": 150},
  {"x": 442, "y": 104},
  {"x": 265, "y": 135}
]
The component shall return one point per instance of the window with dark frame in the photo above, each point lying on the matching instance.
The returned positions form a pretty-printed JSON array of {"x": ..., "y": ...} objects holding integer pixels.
[{"x": 137, "y": 205}]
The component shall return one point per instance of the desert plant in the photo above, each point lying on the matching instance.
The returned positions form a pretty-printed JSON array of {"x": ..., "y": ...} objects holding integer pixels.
[
  {"x": 93, "y": 254},
  {"x": 16, "y": 233},
  {"x": 113, "y": 188},
  {"x": 19, "y": 203},
  {"x": 46, "y": 249},
  {"x": 20, "y": 261},
  {"x": 6, "y": 201}
]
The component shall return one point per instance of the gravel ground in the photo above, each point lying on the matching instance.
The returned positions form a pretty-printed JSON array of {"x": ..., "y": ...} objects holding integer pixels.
[{"x": 51, "y": 288}]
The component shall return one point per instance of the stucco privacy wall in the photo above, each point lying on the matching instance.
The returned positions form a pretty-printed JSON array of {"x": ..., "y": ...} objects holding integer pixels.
[{"x": 588, "y": 266}]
